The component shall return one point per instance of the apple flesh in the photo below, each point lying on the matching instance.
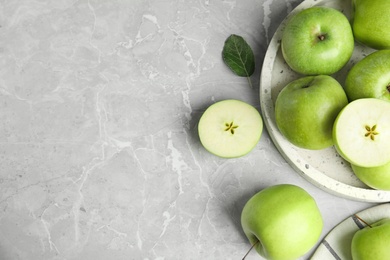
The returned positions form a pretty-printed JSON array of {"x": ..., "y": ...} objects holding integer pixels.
[
  {"x": 317, "y": 40},
  {"x": 374, "y": 177},
  {"x": 306, "y": 108},
  {"x": 361, "y": 132},
  {"x": 230, "y": 128},
  {"x": 370, "y": 77},
  {"x": 283, "y": 221},
  {"x": 372, "y": 242},
  {"x": 371, "y": 22}
]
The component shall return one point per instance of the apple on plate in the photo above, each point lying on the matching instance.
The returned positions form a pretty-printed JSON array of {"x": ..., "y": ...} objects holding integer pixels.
[
  {"x": 230, "y": 128},
  {"x": 282, "y": 222},
  {"x": 372, "y": 242},
  {"x": 306, "y": 108},
  {"x": 361, "y": 132},
  {"x": 370, "y": 77},
  {"x": 374, "y": 177},
  {"x": 317, "y": 40},
  {"x": 371, "y": 22}
]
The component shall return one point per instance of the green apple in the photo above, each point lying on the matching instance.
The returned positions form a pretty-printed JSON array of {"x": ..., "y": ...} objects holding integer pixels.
[
  {"x": 375, "y": 177},
  {"x": 371, "y": 22},
  {"x": 361, "y": 132},
  {"x": 370, "y": 77},
  {"x": 306, "y": 108},
  {"x": 230, "y": 128},
  {"x": 317, "y": 40},
  {"x": 282, "y": 222},
  {"x": 372, "y": 242}
]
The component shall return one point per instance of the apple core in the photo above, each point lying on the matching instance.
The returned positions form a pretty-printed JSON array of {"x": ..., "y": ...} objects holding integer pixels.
[{"x": 230, "y": 127}]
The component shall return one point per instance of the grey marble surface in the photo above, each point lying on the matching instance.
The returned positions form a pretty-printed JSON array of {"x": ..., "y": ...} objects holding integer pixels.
[{"x": 99, "y": 104}]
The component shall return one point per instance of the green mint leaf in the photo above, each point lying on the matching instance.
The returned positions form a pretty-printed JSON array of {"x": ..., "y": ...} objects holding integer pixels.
[{"x": 238, "y": 56}]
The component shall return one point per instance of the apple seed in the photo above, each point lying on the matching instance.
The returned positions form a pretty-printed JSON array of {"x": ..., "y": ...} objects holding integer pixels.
[
  {"x": 230, "y": 127},
  {"x": 371, "y": 132}
]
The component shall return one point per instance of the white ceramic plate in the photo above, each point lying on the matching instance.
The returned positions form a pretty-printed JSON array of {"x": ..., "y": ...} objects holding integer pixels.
[
  {"x": 323, "y": 168},
  {"x": 337, "y": 244}
]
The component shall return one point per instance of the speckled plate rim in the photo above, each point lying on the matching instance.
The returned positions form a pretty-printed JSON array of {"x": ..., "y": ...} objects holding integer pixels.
[
  {"x": 337, "y": 243},
  {"x": 286, "y": 149}
]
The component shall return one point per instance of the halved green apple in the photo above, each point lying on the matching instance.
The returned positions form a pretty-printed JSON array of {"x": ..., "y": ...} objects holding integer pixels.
[
  {"x": 230, "y": 128},
  {"x": 361, "y": 132}
]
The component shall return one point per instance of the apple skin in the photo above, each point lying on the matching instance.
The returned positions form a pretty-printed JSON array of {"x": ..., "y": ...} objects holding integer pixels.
[
  {"x": 306, "y": 108},
  {"x": 370, "y": 77},
  {"x": 372, "y": 242},
  {"x": 371, "y": 22},
  {"x": 285, "y": 219},
  {"x": 374, "y": 177},
  {"x": 317, "y": 40}
]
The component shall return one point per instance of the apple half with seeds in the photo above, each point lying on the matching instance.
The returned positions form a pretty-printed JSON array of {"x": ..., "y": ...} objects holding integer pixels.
[
  {"x": 230, "y": 128},
  {"x": 361, "y": 132}
]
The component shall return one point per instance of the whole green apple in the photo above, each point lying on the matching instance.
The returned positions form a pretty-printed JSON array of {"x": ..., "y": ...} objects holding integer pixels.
[
  {"x": 371, "y": 22},
  {"x": 230, "y": 128},
  {"x": 372, "y": 242},
  {"x": 306, "y": 108},
  {"x": 375, "y": 177},
  {"x": 282, "y": 221},
  {"x": 370, "y": 77},
  {"x": 361, "y": 132},
  {"x": 317, "y": 40}
]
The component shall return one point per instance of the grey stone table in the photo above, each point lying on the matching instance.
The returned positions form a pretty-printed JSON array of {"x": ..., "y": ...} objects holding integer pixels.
[{"x": 99, "y": 104}]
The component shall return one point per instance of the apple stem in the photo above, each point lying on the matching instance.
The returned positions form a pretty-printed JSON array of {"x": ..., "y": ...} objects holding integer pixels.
[
  {"x": 321, "y": 37},
  {"x": 250, "y": 249},
  {"x": 362, "y": 220},
  {"x": 388, "y": 87}
]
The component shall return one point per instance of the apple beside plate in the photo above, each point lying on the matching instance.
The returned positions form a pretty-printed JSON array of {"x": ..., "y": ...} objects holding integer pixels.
[{"x": 324, "y": 168}]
